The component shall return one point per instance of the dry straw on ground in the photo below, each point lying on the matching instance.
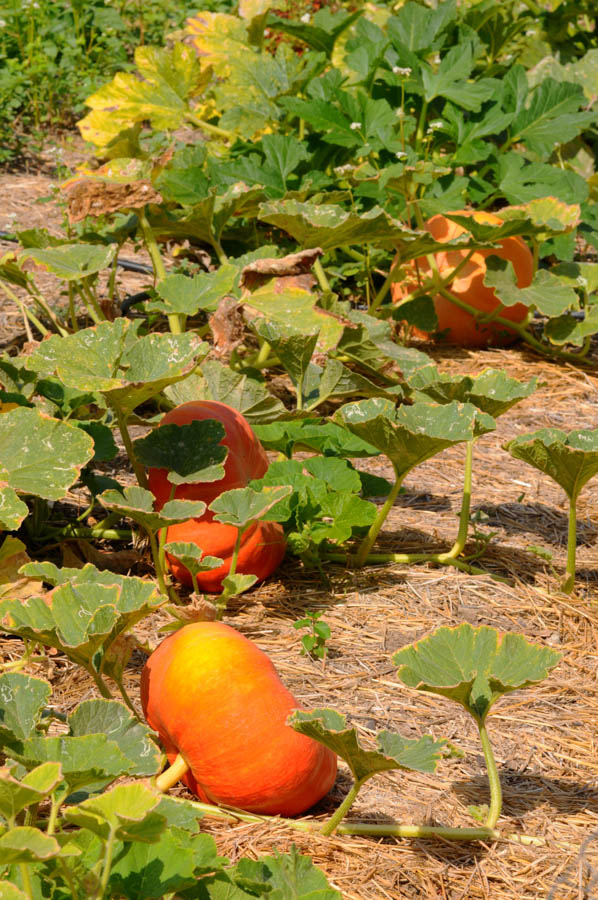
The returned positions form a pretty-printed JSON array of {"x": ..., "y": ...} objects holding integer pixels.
[{"x": 545, "y": 738}]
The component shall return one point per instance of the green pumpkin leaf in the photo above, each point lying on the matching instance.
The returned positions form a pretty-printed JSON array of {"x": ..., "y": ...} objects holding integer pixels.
[
  {"x": 181, "y": 294},
  {"x": 128, "y": 811},
  {"x": 84, "y": 760},
  {"x": 16, "y": 795},
  {"x": 26, "y": 845},
  {"x": 138, "y": 504},
  {"x": 568, "y": 329},
  {"x": 119, "y": 724},
  {"x": 9, "y": 891},
  {"x": 242, "y": 506},
  {"x": 328, "y": 226},
  {"x": 191, "y": 452},
  {"x": 288, "y": 876},
  {"x": 191, "y": 556},
  {"x": 245, "y": 393},
  {"x": 473, "y": 666},
  {"x": 299, "y": 307},
  {"x": 329, "y": 727},
  {"x": 571, "y": 459},
  {"x": 39, "y": 456},
  {"x": 22, "y": 699},
  {"x": 411, "y": 434},
  {"x": 546, "y": 293},
  {"x": 237, "y": 584},
  {"x": 492, "y": 391},
  {"x": 71, "y": 262},
  {"x": 326, "y": 437},
  {"x": 110, "y": 358},
  {"x": 552, "y": 117}
]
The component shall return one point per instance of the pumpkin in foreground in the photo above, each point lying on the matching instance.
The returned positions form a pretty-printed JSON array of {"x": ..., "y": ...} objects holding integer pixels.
[
  {"x": 262, "y": 549},
  {"x": 246, "y": 457},
  {"x": 457, "y": 325},
  {"x": 216, "y": 700}
]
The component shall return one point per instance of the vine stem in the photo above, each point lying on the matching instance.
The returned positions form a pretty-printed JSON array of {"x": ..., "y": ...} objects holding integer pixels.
[
  {"x": 321, "y": 276},
  {"x": 226, "y": 595},
  {"x": 101, "y": 684},
  {"x": 156, "y": 558},
  {"x": 339, "y": 814},
  {"x": 26, "y": 313},
  {"x": 407, "y": 559},
  {"x": 569, "y": 581},
  {"x": 176, "y": 321},
  {"x": 370, "y": 538},
  {"x": 493, "y": 779},
  {"x": 121, "y": 420},
  {"x": 520, "y": 330},
  {"x": 480, "y": 833},
  {"x": 107, "y": 863},
  {"x": 459, "y": 545}
]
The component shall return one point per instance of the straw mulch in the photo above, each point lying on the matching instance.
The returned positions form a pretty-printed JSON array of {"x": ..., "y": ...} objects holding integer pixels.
[{"x": 544, "y": 738}]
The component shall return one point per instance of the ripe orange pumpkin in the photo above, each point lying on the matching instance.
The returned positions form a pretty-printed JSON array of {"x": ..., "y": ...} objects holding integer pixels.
[
  {"x": 246, "y": 457},
  {"x": 214, "y": 697},
  {"x": 458, "y": 325},
  {"x": 263, "y": 547}
]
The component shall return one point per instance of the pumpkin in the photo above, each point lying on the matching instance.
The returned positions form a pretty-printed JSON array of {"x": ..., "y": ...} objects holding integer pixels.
[
  {"x": 215, "y": 699},
  {"x": 459, "y": 326},
  {"x": 262, "y": 549},
  {"x": 246, "y": 457}
]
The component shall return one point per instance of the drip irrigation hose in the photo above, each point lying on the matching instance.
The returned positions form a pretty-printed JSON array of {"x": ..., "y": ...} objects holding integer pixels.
[{"x": 130, "y": 265}]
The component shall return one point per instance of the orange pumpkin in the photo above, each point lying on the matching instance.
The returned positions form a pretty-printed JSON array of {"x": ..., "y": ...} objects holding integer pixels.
[
  {"x": 246, "y": 457},
  {"x": 262, "y": 549},
  {"x": 215, "y": 698},
  {"x": 459, "y": 326}
]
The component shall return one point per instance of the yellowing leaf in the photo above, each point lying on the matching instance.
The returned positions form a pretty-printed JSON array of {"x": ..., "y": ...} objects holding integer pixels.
[
  {"x": 220, "y": 40},
  {"x": 160, "y": 93}
]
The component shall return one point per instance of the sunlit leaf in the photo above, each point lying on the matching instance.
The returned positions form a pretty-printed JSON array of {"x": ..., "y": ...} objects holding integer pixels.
[
  {"x": 473, "y": 666},
  {"x": 191, "y": 556},
  {"x": 329, "y": 727},
  {"x": 184, "y": 295},
  {"x": 241, "y": 506},
  {"x": 570, "y": 458},
  {"x": 72, "y": 262},
  {"x": 127, "y": 811},
  {"x": 22, "y": 699},
  {"x": 25, "y": 844},
  {"x": 138, "y": 504}
]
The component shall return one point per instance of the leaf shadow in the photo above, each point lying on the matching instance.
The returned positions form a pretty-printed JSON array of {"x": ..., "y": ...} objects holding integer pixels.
[
  {"x": 524, "y": 792},
  {"x": 537, "y": 518}
]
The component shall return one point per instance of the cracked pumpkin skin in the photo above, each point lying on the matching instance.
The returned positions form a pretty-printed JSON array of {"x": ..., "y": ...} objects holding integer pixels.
[
  {"x": 458, "y": 325},
  {"x": 214, "y": 697}
]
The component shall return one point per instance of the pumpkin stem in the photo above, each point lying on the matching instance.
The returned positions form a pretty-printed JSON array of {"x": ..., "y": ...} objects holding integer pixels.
[{"x": 172, "y": 774}]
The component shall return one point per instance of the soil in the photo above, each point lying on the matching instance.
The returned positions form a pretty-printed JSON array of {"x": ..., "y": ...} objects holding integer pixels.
[{"x": 545, "y": 738}]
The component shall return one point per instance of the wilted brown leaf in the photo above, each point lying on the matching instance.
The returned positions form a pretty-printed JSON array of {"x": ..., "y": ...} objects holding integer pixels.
[
  {"x": 295, "y": 264},
  {"x": 228, "y": 327},
  {"x": 90, "y": 197}
]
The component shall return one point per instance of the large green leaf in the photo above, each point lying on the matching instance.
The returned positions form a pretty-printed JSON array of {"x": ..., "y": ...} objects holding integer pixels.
[
  {"x": 16, "y": 795},
  {"x": 168, "y": 80},
  {"x": 25, "y": 844},
  {"x": 313, "y": 434},
  {"x": 181, "y": 294},
  {"x": 571, "y": 459},
  {"x": 110, "y": 358},
  {"x": 243, "y": 392},
  {"x": 127, "y": 811},
  {"x": 552, "y": 117},
  {"x": 191, "y": 556},
  {"x": 411, "y": 434},
  {"x": 73, "y": 261},
  {"x": 283, "y": 876},
  {"x": 546, "y": 293},
  {"x": 82, "y": 617},
  {"x": 328, "y": 226},
  {"x": 242, "y": 506},
  {"x": 299, "y": 307},
  {"x": 492, "y": 391},
  {"x": 173, "y": 862},
  {"x": 329, "y": 727},
  {"x": 139, "y": 505},
  {"x": 473, "y": 666},
  {"x": 85, "y": 761},
  {"x": 22, "y": 699},
  {"x": 39, "y": 456},
  {"x": 120, "y": 725},
  {"x": 191, "y": 452}
]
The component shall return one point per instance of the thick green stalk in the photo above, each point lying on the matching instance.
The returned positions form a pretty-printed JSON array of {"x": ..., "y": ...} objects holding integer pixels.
[
  {"x": 26, "y": 879},
  {"x": 569, "y": 581},
  {"x": 226, "y": 595},
  {"x": 321, "y": 276},
  {"x": 339, "y": 814},
  {"x": 176, "y": 322},
  {"x": 156, "y": 558},
  {"x": 107, "y": 863},
  {"x": 493, "y": 779},
  {"x": 408, "y": 559},
  {"x": 459, "y": 545},
  {"x": 93, "y": 307},
  {"x": 370, "y": 538},
  {"x": 121, "y": 420},
  {"x": 26, "y": 313},
  {"x": 211, "y": 129},
  {"x": 100, "y": 684},
  {"x": 481, "y": 833}
]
